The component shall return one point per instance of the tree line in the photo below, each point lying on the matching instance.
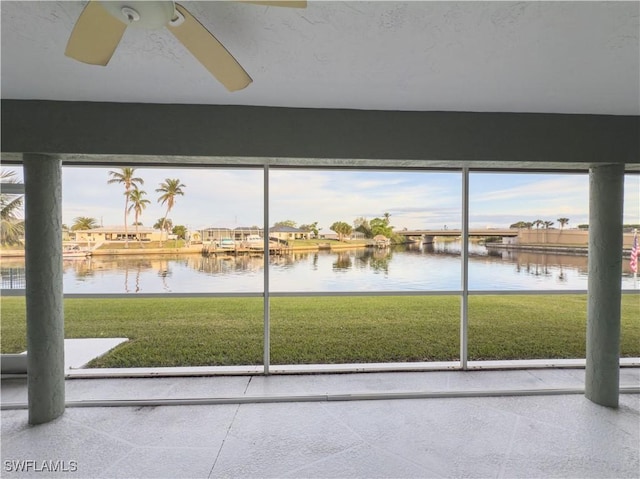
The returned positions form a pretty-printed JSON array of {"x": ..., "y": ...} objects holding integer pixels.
[
  {"x": 539, "y": 223},
  {"x": 369, "y": 229}
]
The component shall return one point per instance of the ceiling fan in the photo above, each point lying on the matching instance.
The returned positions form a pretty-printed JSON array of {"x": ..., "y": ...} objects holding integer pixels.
[{"x": 102, "y": 24}]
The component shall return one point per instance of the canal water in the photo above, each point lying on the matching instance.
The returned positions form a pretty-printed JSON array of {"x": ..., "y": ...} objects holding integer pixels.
[{"x": 402, "y": 268}]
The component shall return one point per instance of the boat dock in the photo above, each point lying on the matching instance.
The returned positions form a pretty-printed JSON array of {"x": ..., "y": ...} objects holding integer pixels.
[{"x": 274, "y": 249}]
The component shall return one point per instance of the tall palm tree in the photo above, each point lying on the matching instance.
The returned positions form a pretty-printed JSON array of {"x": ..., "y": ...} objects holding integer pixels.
[
  {"x": 11, "y": 223},
  {"x": 125, "y": 177},
  {"x": 563, "y": 222},
  {"x": 83, "y": 223},
  {"x": 138, "y": 204},
  {"x": 169, "y": 189}
]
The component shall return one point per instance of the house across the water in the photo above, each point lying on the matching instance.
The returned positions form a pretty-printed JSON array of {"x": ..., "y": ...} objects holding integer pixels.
[{"x": 105, "y": 234}]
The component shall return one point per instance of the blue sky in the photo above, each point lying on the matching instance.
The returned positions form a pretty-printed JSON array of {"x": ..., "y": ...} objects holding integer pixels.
[{"x": 229, "y": 198}]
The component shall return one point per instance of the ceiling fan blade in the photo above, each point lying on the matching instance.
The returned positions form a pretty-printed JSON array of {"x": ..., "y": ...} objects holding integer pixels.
[
  {"x": 209, "y": 51},
  {"x": 281, "y": 3},
  {"x": 95, "y": 35}
]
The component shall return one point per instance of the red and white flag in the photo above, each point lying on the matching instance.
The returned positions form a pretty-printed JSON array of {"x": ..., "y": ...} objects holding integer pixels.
[{"x": 633, "y": 261}]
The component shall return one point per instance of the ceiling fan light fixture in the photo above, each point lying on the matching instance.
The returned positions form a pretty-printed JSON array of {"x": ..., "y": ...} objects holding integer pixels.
[
  {"x": 131, "y": 14},
  {"x": 177, "y": 20},
  {"x": 142, "y": 14}
]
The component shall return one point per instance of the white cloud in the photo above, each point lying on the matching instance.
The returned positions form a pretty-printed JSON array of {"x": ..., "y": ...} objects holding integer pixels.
[
  {"x": 219, "y": 197},
  {"x": 564, "y": 185}
]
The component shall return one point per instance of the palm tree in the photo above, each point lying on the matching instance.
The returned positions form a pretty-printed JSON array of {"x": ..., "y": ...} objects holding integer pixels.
[
  {"x": 138, "y": 204},
  {"x": 169, "y": 189},
  {"x": 11, "y": 224},
  {"x": 84, "y": 223},
  {"x": 547, "y": 225},
  {"x": 563, "y": 222},
  {"x": 125, "y": 177},
  {"x": 537, "y": 223}
]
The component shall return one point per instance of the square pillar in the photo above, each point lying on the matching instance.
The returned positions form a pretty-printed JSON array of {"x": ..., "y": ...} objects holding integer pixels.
[
  {"x": 44, "y": 299},
  {"x": 606, "y": 199}
]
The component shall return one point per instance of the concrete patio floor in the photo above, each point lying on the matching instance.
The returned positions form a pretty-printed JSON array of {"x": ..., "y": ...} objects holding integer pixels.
[{"x": 329, "y": 425}]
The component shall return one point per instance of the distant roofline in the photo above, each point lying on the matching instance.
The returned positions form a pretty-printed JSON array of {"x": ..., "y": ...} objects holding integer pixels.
[{"x": 116, "y": 229}]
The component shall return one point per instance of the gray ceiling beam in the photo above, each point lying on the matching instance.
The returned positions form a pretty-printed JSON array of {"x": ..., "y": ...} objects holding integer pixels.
[{"x": 93, "y": 128}]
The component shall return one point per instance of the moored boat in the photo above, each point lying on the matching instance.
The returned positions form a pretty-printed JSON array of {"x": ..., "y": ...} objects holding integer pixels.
[{"x": 75, "y": 251}]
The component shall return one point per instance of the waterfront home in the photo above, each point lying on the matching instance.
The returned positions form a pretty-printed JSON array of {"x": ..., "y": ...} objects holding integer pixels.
[
  {"x": 239, "y": 234},
  {"x": 332, "y": 235},
  {"x": 214, "y": 235},
  {"x": 107, "y": 234},
  {"x": 242, "y": 233},
  {"x": 287, "y": 233}
]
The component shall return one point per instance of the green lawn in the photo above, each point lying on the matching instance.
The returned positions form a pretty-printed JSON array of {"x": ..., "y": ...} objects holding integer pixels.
[
  {"x": 228, "y": 331},
  {"x": 142, "y": 245}
]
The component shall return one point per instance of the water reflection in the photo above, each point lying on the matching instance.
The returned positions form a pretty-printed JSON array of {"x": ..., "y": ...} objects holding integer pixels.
[
  {"x": 343, "y": 261},
  {"x": 412, "y": 267},
  {"x": 379, "y": 260}
]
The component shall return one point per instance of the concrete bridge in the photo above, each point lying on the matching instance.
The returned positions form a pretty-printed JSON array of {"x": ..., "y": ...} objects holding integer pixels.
[{"x": 428, "y": 235}]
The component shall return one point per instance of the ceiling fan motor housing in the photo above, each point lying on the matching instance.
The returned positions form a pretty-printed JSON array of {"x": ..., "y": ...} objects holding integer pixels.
[{"x": 143, "y": 14}]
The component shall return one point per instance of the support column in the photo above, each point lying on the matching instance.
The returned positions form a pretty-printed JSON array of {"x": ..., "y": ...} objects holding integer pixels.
[
  {"x": 606, "y": 198},
  {"x": 43, "y": 264}
]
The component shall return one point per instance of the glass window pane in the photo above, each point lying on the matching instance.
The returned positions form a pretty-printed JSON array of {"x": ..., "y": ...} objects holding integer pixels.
[
  {"x": 365, "y": 230},
  {"x": 631, "y": 222},
  {"x": 540, "y": 326},
  {"x": 201, "y": 248},
  {"x": 170, "y": 242},
  {"x": 12, "y": 269},
  {"x": 528, "y": 231}
]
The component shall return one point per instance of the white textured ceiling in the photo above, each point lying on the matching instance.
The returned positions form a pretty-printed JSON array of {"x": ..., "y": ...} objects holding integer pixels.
[{"x": 561, "y": 57}]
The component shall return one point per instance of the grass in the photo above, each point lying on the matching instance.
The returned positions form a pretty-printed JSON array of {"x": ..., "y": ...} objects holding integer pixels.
[
  {"x": 228, "y": 331},
  {"x": 142, "y": 245}
]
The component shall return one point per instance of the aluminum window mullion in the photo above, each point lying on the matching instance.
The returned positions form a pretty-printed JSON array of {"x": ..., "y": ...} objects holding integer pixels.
[
  {"x": 464, "y": 250},
  {"x": 267, "y": 305}
]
